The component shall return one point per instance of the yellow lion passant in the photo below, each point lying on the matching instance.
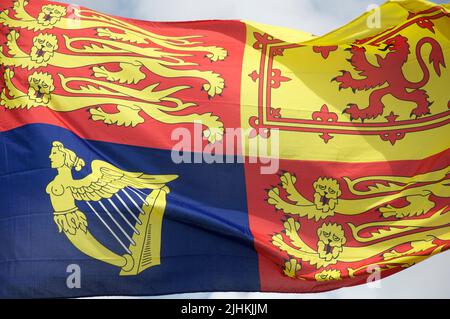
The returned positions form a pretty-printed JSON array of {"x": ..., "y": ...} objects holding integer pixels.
[
  {"x": 44, "y": 53},
  {"x": 332, "y": 246},
  {"x": 76, "y": 18},
  {"x": 328, "y": 250},
  {"x": 327, "y": 199},
  {"x": 149, "y": 101}
]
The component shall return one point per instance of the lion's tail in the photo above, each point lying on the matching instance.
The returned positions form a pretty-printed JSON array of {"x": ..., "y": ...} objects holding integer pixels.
[
  {"x": 384, "y": 184},
  {"x": 436, "y": 58}
]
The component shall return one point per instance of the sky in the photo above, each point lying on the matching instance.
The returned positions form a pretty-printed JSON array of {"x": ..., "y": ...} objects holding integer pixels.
[{"x": 430, "y": 279}]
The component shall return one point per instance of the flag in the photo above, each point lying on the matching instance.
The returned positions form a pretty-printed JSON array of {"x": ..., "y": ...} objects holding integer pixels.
[{"x": 146, "y": 158}]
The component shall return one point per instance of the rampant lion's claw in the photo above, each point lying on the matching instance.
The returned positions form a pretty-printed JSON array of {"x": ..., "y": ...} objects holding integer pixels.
[{"x": 421, "y": 111}]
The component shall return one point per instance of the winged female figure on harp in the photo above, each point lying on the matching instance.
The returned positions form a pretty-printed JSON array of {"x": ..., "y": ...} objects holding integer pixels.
[{"x": 105, "y": 182}]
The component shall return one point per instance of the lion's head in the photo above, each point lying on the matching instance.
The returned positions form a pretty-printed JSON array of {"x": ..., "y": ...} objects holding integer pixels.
[
  {"x": 40, "y": 87},
  {"x": 50, "y": 14},
  {"x": 331, "y": 241},
  {"x": 44, "y": 47},
  {"x": 327, "y": 192},
  {"x": 396, "y": 44}
]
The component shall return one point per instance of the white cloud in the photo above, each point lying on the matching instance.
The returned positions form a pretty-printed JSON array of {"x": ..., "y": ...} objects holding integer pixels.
[{"x": 316, "y": 17}]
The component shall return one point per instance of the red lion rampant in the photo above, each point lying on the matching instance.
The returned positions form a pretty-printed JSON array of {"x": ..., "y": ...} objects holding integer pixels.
[{"x": 389, "y": 71}]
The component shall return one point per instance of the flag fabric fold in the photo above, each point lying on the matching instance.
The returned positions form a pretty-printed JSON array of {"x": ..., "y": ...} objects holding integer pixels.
[{"x": 145, "y": 158}]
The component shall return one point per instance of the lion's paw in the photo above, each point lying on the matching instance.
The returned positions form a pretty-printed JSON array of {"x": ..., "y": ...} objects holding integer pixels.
[
  {"x": 421, "y": 110},
  {"x": 8, "y": 75},
  {"x": 216, "y": 53},
  {"x": 277, "y": 240},
  {"x": 105, "y": 32},
  {"x": 288, "y": 180},
  {"x": 214, "y": 134},
  {"x": 290, "y": 225},
  {"x": 391, "y": 211},
  {"x": 128, "y": 74},
  {"x": 392, "y": 255},
  {"x": 368, "y": 113},
  {"x": 215, "y": 84},
  {"x": 291, "y": 267},
  {"x": 3, "y": 97},
  {"x": 125, "y": 36},
  {"x": 125, "y": 117},
  {"x": 13, "y": 36},
  {"x": 345, "y": 80},
  {"x": 102, "y": 72},
  {"x": 274, "y": 198},
  {"x": 4, "y": 15},
  {"x": 214, "y": 128}
]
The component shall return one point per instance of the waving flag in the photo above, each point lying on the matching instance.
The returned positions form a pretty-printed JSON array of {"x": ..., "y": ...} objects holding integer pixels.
[{"x": 128, "y": 162}]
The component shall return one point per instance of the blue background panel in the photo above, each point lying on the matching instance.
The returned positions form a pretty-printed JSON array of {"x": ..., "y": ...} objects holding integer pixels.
[{"x": 206, "y": 240}]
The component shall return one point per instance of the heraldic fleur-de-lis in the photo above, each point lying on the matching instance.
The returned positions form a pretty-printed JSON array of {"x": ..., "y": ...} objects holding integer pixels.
[{"x": 112, "y": 191}]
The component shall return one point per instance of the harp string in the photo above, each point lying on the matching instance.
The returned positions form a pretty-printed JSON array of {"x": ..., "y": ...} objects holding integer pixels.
[
  {"x": 125, "y": 203},
  {"x": 117, "y": 224},
  {"x": 109, "y": 228},
  {"x": 133, "y": 201},
  {"x": 138, "y": 192},
  {"x": 128, "y": 209},
  {"x": 121, "y": 215}
]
